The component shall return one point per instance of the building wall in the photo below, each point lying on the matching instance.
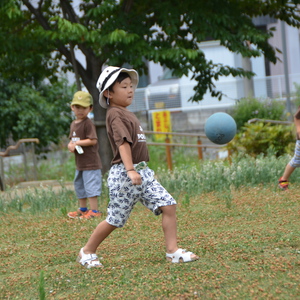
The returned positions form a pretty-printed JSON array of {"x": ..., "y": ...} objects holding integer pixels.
[{"x": 293, "y": 49}]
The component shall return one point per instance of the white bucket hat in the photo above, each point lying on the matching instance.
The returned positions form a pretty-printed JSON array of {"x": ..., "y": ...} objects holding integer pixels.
[{"x": 108, "y": 77}]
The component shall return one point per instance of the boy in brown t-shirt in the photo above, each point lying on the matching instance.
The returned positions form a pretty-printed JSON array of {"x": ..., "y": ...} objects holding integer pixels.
[
  {"x": 84, "y": 144},
  {"x": 130, "y": 180}
]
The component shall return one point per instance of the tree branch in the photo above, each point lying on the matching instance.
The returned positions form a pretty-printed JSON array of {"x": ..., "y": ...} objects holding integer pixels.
[
  {"x": 38, "y": 14},
  {"x": 68, "y": 11},
  {"x": 127, "y": 4}
]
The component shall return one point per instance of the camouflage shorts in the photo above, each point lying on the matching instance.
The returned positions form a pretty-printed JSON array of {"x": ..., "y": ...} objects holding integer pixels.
[{"x": 124, "y": 195}]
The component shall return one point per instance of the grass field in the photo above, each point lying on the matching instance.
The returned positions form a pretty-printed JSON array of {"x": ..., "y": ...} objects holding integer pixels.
[
  {"x": 244, "y": 229},
  {"x": 248, "y": 250}
]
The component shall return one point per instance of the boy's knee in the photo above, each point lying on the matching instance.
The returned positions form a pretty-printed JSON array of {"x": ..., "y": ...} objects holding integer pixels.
[{"x": 168, "y": 208}]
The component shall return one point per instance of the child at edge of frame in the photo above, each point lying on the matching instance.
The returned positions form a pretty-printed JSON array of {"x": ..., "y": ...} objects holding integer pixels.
[
  {"x": 283, "y": 181},
  {"x": 84, "y": 144},
  {"x": 130, "y": 179}
]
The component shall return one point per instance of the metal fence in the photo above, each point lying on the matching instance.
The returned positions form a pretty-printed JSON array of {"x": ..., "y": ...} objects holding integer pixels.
[
  {"x": 168, "y": 144},
  {"x": 21, "y": 143}
]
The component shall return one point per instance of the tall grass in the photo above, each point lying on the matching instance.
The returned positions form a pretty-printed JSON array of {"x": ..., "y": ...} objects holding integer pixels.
[
  {"x": 186, "y": 180},
  {"x": 37, "y": 200},
  {"x": 58, "y": 166},
  {"x": 222, "y": 175}
]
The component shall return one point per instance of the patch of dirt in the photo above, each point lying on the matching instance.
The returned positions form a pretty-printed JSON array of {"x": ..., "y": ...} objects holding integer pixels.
[{"x": 23, "y": 187}]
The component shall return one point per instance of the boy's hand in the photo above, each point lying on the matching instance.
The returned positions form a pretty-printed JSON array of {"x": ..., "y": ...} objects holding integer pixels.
[
  {"x": 135, "y": 177},
  {"x": 71, "y": 147}
]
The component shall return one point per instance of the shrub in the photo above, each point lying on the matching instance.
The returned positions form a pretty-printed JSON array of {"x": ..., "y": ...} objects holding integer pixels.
[
  {"x": 249, "y": 108},
  {"x": 259, "y": 138}
]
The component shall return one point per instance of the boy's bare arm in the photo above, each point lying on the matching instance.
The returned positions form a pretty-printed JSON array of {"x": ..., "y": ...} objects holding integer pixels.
[
  {"x": 83, "y": 143},
  {"x": 86, "y": 142},
  {"x": 125, "y": 153}
]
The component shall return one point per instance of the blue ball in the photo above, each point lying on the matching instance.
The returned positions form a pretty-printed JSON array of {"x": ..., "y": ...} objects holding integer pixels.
[{"x": 220, "y": 128}]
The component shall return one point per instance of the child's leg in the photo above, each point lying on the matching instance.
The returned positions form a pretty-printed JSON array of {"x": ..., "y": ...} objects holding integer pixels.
[
  {"x": 157, "y": 199},
  {"x": 80, "y": 192},
  {"x": 82, "y": 202},
  {"x": 102, "y": 231},
  {"x": 93, "y": 203},
  {"x": 169, "y": 225},
  {"x": 287, "y": 172},
  {"x": 92, "y": 185},
  {"x": 87, "y": 255}
]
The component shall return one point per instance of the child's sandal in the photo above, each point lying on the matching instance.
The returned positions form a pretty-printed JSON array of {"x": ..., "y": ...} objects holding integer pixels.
[
  {"x": 181, "y": 256},
  {"x": 88, "y": 260}
]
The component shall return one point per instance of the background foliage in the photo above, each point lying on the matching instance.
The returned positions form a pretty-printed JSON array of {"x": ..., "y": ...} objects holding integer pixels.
[
  {"x": 30, "y": 111},
  {"x": 260, "y": 138},
  {"x": 132, "y": 32},
  {"x": 251, "y": 108}
]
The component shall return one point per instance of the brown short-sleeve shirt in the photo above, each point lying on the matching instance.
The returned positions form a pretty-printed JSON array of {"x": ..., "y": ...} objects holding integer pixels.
[
  {"x": 122, "y": 125},
  {"x": 90, "y": 159}
]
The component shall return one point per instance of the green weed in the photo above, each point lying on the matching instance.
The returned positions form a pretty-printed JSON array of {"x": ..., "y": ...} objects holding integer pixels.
[
  {"x": 183, "y": 182},
  {"x": 42, "y": 293},
  {"x": 209, "y": 176}
]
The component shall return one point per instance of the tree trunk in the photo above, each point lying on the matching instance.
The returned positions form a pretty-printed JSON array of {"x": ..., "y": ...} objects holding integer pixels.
[
  {"x": 99, "y": 120},
  {"x": 89, "y": 78}
]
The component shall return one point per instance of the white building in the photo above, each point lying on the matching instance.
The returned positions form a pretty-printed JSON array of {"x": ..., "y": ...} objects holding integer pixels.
[{"x": 269, "y": 82}]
